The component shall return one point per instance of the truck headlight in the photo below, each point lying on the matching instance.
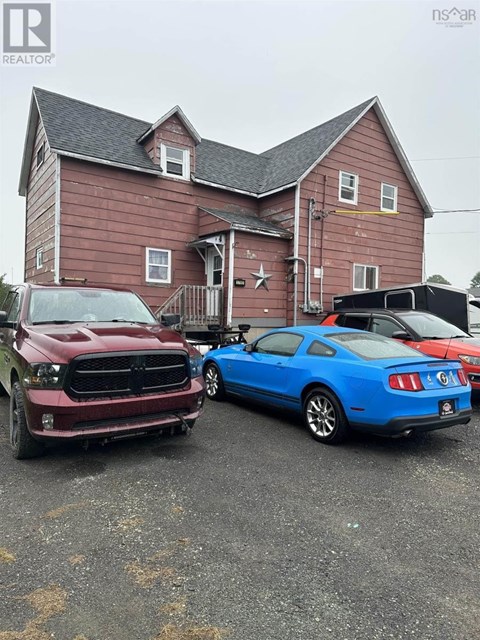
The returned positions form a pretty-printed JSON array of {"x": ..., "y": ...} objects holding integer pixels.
[
  {"x": 44, "y": 375},
  {"x": 474, "y": 360},
  {"x": 196, "y": 365}
]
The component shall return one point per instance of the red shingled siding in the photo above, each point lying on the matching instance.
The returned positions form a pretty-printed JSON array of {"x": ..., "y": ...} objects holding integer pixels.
[
  {"x": 109, "y": 216},
  {"x": 269, "y": 307},
  {"x": 40, "y": 213},
  {"x": 173, "y": 133},
  {"x": 393, "y": 243}
]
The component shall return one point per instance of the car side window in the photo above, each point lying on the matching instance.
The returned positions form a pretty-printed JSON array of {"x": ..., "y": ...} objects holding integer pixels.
[
  {"x": 356, "y": 322},
  {"x": 15, "y": 308},
  {"x": 7, "y": 301},
  {"x": 12, "y": 304},
  {"x": 384, "y": 326},
  {"x": 319, "y": 349},
  {"x": 280, "y": 344}
]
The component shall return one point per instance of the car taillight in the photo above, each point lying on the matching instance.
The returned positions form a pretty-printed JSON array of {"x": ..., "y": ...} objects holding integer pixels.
[
  {"x": 462, "y": 377},
  {"x": 406, "y": 382}
]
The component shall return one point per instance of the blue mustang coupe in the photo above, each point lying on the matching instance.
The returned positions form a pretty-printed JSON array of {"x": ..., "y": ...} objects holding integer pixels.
[{"x": 341, "y": 379}]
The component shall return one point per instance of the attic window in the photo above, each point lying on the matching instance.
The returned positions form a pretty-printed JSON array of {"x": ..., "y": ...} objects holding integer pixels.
[
  {"x": 175, "y": 162},
  {"x": 41, "y": 155},
  {"x": 39, "y": 258},
  {"x": 389, "y": 197},
  {"x": 348, "y": 187}
]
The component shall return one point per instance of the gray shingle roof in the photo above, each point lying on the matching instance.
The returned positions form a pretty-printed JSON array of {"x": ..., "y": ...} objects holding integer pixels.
[
  {"x": 81, "y": 128},
  {"x": 230, "y": 167},
  {"x": 252, "y": 223},
  {"x": 289, "y": 160},
  {"x": 73, "y": 126}
]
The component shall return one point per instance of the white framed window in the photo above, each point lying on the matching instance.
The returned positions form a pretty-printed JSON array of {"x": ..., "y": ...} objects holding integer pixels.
[
  {"x": 41, "y": 155},
  {"x": 388, "y": 200},
  {"x": 39, "y": 258},
  {"x": 158, "y": 265},
  {"x": 347, "y": 187},
  {"x": 365, "y": 277},
  {"x": 175, "y": 162}
]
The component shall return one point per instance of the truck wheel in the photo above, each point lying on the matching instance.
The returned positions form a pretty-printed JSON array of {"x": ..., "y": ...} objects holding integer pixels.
[{"x": 22, "y": 443}]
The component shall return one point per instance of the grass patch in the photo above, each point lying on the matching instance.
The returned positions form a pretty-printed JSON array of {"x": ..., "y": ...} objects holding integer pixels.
[
  {"x": 6, "y": 556},
  {"x": 47, "y": 602},
  {"x": 130, "y": 523},
  {"x": 184, "y": 632},
  {"x": 147, "y": 574},
  {"x": 174, "y": 608},
  {"x": 60, "y": 511}
]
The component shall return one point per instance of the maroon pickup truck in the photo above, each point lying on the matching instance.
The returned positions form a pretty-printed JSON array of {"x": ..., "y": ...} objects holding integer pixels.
[{"x": 91, "y": 363}]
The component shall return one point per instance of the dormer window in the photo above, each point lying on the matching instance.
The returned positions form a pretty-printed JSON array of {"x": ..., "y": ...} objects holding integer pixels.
[{"x": 175, "y": 162}]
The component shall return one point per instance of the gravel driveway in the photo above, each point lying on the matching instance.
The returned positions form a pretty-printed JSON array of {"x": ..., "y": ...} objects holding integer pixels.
[{"x": 247, "y": 529}]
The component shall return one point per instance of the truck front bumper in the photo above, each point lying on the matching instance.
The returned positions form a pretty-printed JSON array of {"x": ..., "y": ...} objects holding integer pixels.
[{"x": 52, "y": 415}]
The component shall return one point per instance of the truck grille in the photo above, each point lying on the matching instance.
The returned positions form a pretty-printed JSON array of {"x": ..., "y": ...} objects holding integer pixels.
[{"x": 127, "y": 374}]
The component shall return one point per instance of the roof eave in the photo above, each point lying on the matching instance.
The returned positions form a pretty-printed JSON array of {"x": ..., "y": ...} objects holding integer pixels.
[
  {"x": 397, "y": 147},
  {"x": 239, "y": 226},
  {"x": 174, "y": 111},
  {"x": 337, "y": 140},
  {"x": 402, "y": 158},
  {"x": 286, "y": 235},
  {"x": 33, "y": 119},
  {"x": 110, "y": 163},
  {"x": 207, "y": 183}
]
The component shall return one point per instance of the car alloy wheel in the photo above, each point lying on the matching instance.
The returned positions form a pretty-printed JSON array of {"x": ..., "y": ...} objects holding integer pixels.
[
  {"x": 213, "y": 382},
  {"x": 324, "y": 416},
  {"x": 321, "y": 416}
]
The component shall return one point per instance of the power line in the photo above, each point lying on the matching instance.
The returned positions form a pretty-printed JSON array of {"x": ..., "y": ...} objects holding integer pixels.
[
  {"x": 455, "y": 210},
  {"x": 452, "y": 158}
]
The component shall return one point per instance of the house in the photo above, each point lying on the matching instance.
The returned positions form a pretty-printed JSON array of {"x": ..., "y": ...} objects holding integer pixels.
[{"x": 220, "y": 234}]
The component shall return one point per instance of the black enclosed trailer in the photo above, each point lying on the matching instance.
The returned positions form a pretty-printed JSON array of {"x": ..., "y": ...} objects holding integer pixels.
[{"x": 451, "y": 304}]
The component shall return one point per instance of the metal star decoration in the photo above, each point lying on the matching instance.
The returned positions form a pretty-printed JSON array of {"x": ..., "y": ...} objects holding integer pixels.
[{"x": 262, "y": 278}]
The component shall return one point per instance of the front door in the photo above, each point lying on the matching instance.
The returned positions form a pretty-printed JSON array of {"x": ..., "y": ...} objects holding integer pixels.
[{"x": 214, "y": 266}]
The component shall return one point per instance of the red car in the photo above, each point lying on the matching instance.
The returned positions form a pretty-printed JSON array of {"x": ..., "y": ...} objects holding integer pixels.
[
  {"x": 419, "y": 329},
  {"x": 90, "y": 363}
]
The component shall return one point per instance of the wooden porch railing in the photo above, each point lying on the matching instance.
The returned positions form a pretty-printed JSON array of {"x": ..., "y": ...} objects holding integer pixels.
[{"x": 198, "y": 306}]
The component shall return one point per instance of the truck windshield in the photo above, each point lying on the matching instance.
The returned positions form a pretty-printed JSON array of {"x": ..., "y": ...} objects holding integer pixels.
[
  {"x": 432, "y": 327},
  {"x": 62, "y": 306}
]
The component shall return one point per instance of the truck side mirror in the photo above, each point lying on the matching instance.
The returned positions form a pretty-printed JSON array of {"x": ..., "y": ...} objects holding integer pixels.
[
  {"x": 3, "y": 318},
  {"x": 170, "y": 319}
]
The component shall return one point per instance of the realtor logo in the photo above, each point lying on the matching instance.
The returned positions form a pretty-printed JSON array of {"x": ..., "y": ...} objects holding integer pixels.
[
  {"x": 27, "y": 28},
  {"x": 27, "y": 33},
  {"x": 454, "y": 17}
]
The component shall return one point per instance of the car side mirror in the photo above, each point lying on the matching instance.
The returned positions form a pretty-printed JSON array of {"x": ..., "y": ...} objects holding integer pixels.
[
  {"x": 401, "y": 335},
  {"x": 3, "y": 318},
  {"x": 248, "y": 348}
]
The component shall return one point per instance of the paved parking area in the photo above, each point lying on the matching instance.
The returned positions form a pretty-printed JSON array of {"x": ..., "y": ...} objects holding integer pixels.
[{"x": 248, "y": 529}]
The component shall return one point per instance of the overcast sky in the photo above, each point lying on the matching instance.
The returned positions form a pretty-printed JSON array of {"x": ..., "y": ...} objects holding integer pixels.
[{"x": 252, "y": 74}]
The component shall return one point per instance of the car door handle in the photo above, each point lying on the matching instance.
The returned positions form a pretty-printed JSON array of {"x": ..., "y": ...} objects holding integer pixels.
[{"x": 6, "y": 358}]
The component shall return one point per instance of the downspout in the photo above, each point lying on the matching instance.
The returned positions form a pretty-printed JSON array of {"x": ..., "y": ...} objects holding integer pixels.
[
  {"x": 231, "y": 263},
  {"x": 296, "y": 230},
  {"x": 57, "y": 221},
  {"x": 322, "y": 231}
]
